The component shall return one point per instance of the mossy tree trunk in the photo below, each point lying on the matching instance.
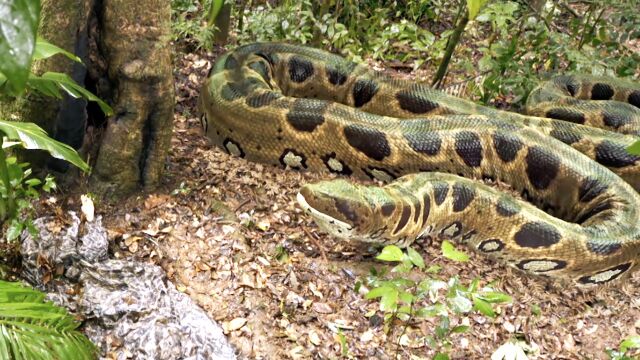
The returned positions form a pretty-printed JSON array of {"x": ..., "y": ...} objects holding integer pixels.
[
  {"x": 136, "y": 38},
  {"x": 125, "y": 46}
]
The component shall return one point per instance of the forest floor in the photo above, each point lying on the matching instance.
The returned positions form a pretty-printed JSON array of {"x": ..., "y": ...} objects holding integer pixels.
[{"x": 230, "y": 235}]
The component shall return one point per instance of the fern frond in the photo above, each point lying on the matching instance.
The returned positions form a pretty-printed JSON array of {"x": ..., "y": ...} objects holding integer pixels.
[{"x": 33, "y": 329}]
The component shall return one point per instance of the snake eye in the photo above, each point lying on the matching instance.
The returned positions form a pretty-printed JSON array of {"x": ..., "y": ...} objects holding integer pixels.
[{"x": 204, "y": 123}]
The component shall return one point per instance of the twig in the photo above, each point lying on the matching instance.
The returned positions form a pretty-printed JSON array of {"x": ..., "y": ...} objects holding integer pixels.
[
  {"x": 540, "y": 17},
  {"x": 323, "y": 254},
  {"x": 569, "y": 9},
  {"x": 593, "y": 27},
  {"x": 242, "y": 204}
]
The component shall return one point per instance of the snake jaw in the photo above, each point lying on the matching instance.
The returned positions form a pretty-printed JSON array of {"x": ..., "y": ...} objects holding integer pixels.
[{"x": 326, "y": 222}]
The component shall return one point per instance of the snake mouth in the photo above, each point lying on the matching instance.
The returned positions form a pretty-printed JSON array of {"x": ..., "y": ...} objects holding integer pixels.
[{"x": 326, "y": 222}]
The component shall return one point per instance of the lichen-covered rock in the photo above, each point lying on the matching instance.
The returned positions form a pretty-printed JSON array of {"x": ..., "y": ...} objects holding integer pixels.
[{"x": 130, "y": 308}]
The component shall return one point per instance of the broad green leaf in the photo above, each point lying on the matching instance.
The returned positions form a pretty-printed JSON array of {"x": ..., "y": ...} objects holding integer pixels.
[
  {"x": 378, "y": 292},
  {"x": 404, "y": 267},
  {"x": 390, "y": 253},
  {"x": 389, "y": 300},
  {"x": 214, "y": 10},
  {"x": 449, "y": 251},
  {"x": 404, "y": 310},
  {"x": 632, "y": 342},
  {"x": 50, "y": 83},
  {"x": 460, "y": 304},
  {"x": 18, "y": 26},
  {"x": 634, "y": 148},
  {"x": 33, "y": 329},
  {"x": 34, "y": 137},
  {"x": 343, "y": 343},
  {"x": 406, "y": 297},
  {"x": 14, "y": 230},
  {"x": 483, "y": 307},
  {"x": 495, "y": 297},
  {"x": 460, "y": 329},
  {"x": 474, "y": 285},
  {"x": 441, "y": 356},
  {"x": 442, "y": 329},
  {"x": 474, "y": 7},
  {"x": 45, "y": 49},
  {"x": 398, "y": 282},
  {"x": 415, "y": 258}
]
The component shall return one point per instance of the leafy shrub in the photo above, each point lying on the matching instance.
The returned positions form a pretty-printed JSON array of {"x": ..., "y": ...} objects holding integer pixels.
[
  {"x": 431, "y": 297},
  {"x": 189, "y": 24},
  {"x": 31, "y": 328},
  {"x": 626, "y": 345}
]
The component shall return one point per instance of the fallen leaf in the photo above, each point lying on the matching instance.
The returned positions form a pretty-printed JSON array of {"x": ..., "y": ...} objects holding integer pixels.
[
  {"x": 87, "y": 207},
  {"x": 234, "y": 325},
  {"x": 322, "y": 308}
]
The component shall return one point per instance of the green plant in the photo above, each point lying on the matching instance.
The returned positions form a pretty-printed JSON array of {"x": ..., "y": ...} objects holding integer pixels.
[
  {"x": 18, "y": 49},
  {"x": 32, "y": 328},
  {"x": 386, "y": 30},
  {"x": 523, "y": 45},
  {"x": 24, "y": 190},
  {"x": 405, "y": 300},
  {"x": 192, "y": 22},
  {"x": 29, "y": 327},
  {"x": 626, "y": 345}
]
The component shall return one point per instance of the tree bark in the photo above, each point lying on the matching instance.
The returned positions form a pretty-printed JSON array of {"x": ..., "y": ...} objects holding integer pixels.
[
  {"x": 136, "y": 36},
  {"x": 125, "y": 47}
]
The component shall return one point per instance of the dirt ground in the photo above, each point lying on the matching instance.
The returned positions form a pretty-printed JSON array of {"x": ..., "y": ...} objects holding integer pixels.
[{"x": 230, "y": 235}]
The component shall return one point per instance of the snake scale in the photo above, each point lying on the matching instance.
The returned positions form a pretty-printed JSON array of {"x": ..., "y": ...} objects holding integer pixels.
[{"x": 577, "y": 218}]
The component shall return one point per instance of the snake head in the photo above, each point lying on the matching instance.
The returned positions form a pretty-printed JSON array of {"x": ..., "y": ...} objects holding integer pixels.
[{"x": 339, "y": 207}]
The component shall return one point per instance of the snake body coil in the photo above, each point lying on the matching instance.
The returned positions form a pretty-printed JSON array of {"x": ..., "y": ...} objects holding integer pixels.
[{"x": 303, "y": 108}]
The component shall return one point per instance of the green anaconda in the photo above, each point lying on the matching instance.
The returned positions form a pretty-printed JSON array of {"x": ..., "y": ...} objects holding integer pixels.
[{"x": 304, "y": 108}]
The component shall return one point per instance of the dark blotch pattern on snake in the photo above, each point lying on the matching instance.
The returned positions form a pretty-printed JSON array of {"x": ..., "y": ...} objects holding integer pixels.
[{"x": 304, "y": 108}]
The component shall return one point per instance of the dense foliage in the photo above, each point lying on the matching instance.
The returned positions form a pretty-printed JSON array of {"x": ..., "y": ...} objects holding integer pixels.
[
  {"x": 30, "y": 327},
  {"x": 506, "y": 48}
]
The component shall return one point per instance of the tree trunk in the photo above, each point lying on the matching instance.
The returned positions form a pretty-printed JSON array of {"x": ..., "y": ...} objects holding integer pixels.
[
  {"x": 135, "y": 39},
  {"x": 125, "y": 47}
]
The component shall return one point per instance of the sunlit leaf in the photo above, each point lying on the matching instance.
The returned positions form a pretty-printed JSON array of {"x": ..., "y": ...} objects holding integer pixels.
[
  {"x": 404, "y": 267},
  {"x": 390, "y": 253},
  {"x": 45, "y": 49},
  {"x": 34, "y": 137},
  {"x": 378, "y": 292},
  {"x": 632, "y": 342},
  {"x": 406, "y": 297},
  {"x": 49, "y": 84},
  {"x": 415, "y": 258},
  {"x": 512, "y": 350},
  {"x": 18, "y": 26},
  {"x": 389, "y": 300},
  {"x": 495, "y": 297},
  {"x": 449, "y": 251},
  {"x": 441, "y": 356},
  {"x": 474, "y": 7},
  {"x": 634, "y": 148},
  {"x": 483, "y": 307},
  {"x": 460, "y": 304}
]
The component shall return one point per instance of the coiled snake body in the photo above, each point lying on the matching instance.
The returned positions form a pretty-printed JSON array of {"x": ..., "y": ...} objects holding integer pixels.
[{"x": 304, "y": 108}]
